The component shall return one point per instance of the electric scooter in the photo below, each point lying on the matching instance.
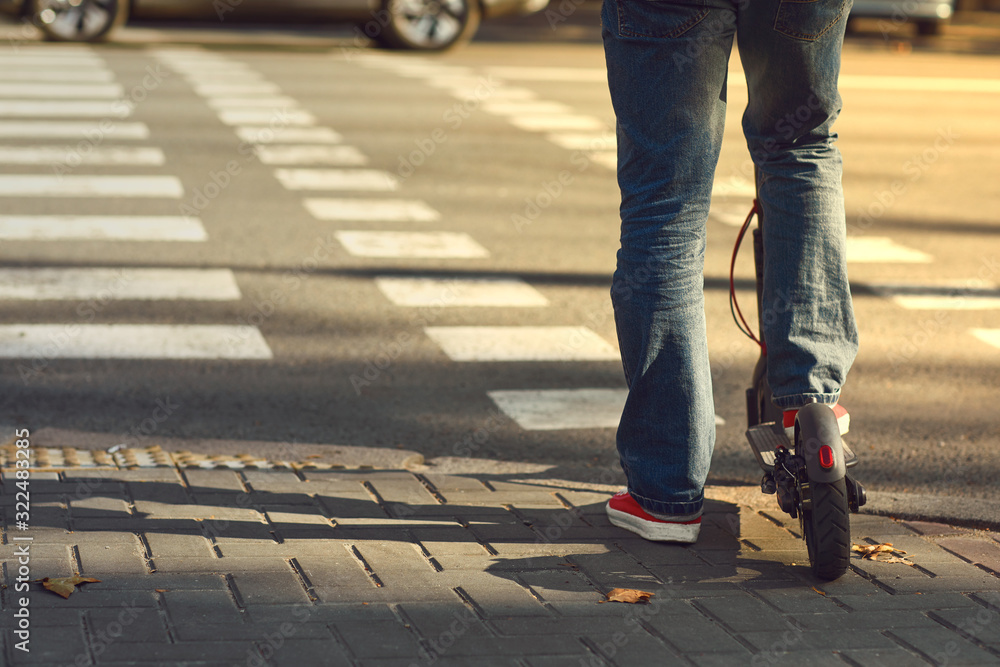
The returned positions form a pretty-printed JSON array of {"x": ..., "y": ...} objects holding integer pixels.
[{"x": 809, "y": 473}]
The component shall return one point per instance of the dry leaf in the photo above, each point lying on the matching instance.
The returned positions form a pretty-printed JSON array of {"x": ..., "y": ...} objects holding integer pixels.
[
  {"x": 873, "y": 552},
  {"x": 629, "y": 595},
  {"x": 818, "y": 591},
  {"x": 896, "y": 559},
  {"x": 65, "y": 586}
]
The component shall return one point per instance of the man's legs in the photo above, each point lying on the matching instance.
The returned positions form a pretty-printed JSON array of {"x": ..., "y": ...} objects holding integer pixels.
[
  {"x": 791, "y": 56},
  {"x": 667, "y": 64}
]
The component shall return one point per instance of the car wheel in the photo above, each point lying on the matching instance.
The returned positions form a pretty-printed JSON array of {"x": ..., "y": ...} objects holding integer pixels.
[
  {"x": 78, "y": 20},
  {"x": 428, "y": 25},
  {"x": 929, "y": 27}
]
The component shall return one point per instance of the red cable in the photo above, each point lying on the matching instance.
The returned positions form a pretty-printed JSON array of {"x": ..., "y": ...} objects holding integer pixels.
[{"x": 745, "y": 328}]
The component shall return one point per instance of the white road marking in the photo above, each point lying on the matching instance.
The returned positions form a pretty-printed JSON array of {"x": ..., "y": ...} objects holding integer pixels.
[
  {"x": 267, "y": 101},
  {"x": 593, "y": 141},
  {"x": 277, "y": 116},
  {"x": 68, "y": 61},
  {"x": 288, "y": 135},
  {"x": 47, "y": 73},
  {"x": 513, "y": 108},
  {"x": 344, "y": 156},
  {"x": 371, "y": 210},
  {"x": 460, "y": 292},
  {"x": 988, "y": 336},
  {"x": 70, "y": 157},
  {"x": 559, "y": 409},
  {"x": 522, "y": 344},
  {"x": 918, "y": 83},
  {"x": 236, "y": 89},
  {"x": 84, "y": 91},
  {"x": 607, "y": 159},
  {"x": 882, "y": 249},
  {"x": 100, "y": 228},
  {"x": 69, "y": 108},
  {"x": 369, "y": 180},
  {"x": 429, "y": 245},
  {"x": 68, "y": 129},
  {"x": 567, "y": 74},
  {"x": 131, "y": 341},
  {"x": 17, "y": 185},
  {"x": 959, "y": 295},
  {"x": 553, "y": 122},
  {"x": 118, "y": 284}
]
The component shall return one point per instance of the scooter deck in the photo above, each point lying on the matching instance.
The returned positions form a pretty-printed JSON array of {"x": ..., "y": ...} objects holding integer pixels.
[{"x": 766, "y": 438}]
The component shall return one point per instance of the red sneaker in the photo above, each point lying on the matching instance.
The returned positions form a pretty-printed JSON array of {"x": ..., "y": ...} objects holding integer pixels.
[
  {"x": 843, "y": 420},
  {"x": 624, "y": 512}
]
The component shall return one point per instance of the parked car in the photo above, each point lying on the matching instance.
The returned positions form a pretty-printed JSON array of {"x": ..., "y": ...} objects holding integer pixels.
[
  {"x": 403, "y": 24},
  {"x": 929, "y": 16}
]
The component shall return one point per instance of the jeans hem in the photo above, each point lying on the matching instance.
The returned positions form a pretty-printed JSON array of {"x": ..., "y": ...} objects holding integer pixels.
[
  {"x": 798, "y": 400},
  {"x": 662, "y": 507}
]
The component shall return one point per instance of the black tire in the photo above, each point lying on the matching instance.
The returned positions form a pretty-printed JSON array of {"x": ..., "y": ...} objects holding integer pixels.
[
  {"x": 428, "y": 25},
  {"x": 88, "y": 21},
  {"x": 827, "y": 527},
  {"x": 929, "y": 28}
]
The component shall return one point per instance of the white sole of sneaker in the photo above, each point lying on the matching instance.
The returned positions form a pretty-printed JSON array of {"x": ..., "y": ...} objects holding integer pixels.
[{"x": 685, "y": 533}]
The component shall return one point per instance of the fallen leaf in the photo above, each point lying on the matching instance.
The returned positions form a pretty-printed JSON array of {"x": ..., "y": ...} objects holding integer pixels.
[
  {"x": 818, "y": 591},
  {"x": 875, "y": 552},
  {"x": 629, "y": 595},
  {"x": 65, "y": 586},
  {"x": 896, "y": 559}
]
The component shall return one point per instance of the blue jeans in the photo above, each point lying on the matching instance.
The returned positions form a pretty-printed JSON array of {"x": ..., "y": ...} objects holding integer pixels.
[{"x": 667, "y": 69}]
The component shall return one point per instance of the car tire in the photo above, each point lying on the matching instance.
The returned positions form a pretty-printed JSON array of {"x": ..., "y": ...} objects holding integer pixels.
[
  {"x": 86, "y": 21},
  {"x": 428, "y": 25},
  {"x": 929, "y": 28}
]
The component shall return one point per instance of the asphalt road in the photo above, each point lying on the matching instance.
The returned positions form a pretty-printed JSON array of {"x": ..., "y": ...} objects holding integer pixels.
[{"x": 322, "y": 345}]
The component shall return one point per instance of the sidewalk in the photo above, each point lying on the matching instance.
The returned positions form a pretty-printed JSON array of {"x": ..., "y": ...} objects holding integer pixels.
[{"x": 329, "y": 564}]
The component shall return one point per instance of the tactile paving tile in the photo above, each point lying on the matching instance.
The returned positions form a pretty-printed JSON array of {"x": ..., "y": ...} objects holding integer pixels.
[{"x": 58, "y": 458}]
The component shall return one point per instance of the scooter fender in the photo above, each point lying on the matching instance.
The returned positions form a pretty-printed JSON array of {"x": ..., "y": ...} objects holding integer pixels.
[{"x": 815, "y": 426}]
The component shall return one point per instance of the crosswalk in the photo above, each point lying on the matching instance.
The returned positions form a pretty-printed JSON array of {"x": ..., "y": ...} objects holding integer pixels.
[{"x": 44, "y": 121}]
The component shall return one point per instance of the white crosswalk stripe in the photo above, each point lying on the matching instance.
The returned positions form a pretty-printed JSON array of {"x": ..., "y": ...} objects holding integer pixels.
[
  {"x": 265, "y": 135},
  {"x": 100, "y": 228},
  {"x": 120, "y": 283},
  {"x": 883, "y": 249},
  {"x": 371, "y": 210},
  {"x": 279, "y": 116},
  {"x": 426, "y": 245},
  {"x": 460, "y": 292},
  {"x": 57, "y": 73},
  {"x": 32, "y": 185},
  {"x": 988, "y": 336},
  {"x": 337, "y": 179},
  {"x": 71, "y": 157},
  {"x": 88, "y": 131},
  {"x": 61, "y": 90},
  {"x": 131, "y": 341},
  {"x": 345, "y": 156},
  {"x": 65, "y": 108},
  {"x": 560, "y": 409},
  {"x": 526, "y": 343}
]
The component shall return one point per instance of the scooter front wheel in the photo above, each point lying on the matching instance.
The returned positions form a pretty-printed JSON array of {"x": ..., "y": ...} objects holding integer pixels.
[{"x": 827, "y": 529}]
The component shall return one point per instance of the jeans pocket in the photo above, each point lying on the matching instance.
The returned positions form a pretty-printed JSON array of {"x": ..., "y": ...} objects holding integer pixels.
[
  {"x": 658, "y": 19},
  {"x": 808, "y": 19}
]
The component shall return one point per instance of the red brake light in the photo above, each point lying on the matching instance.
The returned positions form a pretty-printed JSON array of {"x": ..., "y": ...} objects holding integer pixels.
[{"x": 826, "y": 457}]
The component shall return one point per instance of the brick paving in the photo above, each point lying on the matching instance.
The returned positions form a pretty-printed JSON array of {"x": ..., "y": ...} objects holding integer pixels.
[{"x": 386, "y": 567}]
